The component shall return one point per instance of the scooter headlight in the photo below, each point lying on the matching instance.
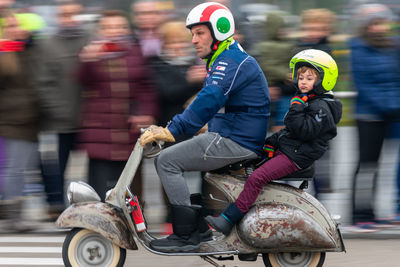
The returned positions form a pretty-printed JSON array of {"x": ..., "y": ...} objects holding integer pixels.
[{"x": 81, "y": 192}]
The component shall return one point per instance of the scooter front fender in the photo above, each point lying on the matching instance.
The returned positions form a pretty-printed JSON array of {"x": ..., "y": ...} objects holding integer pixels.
[{"x": 99, "y": 217}]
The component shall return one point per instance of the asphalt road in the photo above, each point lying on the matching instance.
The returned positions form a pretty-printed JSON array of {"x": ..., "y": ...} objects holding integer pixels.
[
  {"x": 360, "y": 252},
  {"x": 28, "y": 250}
]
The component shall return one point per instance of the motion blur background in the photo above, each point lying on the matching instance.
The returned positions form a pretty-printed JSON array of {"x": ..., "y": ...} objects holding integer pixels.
[{"x": 250, "y": 17}]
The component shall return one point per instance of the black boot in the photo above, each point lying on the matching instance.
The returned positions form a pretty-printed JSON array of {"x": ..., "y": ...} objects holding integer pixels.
[
  {"x": 225, "y": 222},
  {"x": 204, "y": 229},
  {"x": 185, "y": 221}
]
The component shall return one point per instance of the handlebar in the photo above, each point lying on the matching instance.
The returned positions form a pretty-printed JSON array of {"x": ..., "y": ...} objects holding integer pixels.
[{"x": 153, "y": 149}]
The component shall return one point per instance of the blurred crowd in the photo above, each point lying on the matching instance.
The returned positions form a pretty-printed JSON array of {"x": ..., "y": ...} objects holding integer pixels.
[{"x": 92, "y": 82}]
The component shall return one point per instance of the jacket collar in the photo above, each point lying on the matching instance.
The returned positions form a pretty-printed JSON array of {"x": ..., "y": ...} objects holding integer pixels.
[{"x": 221, "y": 48}]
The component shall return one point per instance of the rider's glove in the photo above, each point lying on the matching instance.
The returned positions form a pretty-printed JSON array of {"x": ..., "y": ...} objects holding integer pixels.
[
  {"x": 156, "y": 133},
  {"x": 268, "y": 151},
  {"x": 299, "y": 100}
]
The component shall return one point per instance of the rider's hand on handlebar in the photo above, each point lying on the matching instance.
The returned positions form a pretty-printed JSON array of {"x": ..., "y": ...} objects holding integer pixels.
[{"x": 156, "y": 133}]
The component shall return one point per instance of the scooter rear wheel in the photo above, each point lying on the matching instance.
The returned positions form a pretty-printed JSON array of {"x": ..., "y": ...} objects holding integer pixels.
[
  {"x": 84, "y": 247},
  {"x": 294, "y": 259}
]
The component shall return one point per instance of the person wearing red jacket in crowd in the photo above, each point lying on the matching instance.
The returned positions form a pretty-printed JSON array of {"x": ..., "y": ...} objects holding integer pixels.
[
  {"x": 119, "y": 99},
  {"x": 60, "y": 98}
]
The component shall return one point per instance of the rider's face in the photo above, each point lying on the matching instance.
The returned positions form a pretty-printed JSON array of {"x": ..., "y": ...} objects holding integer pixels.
[{"x": 202, "y": 40}]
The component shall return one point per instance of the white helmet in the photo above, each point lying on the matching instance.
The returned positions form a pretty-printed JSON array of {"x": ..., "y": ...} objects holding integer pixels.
[{"x": 216, "y": 16}]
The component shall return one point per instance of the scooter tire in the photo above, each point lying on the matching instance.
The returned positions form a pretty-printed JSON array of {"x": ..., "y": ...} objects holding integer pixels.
[
  {"x": 76, "y": 250},
  {"x": 306, "y": 259}
]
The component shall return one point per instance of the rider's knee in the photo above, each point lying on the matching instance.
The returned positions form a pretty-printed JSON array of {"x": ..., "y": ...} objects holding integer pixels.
[{"x": 163, "y": 160}]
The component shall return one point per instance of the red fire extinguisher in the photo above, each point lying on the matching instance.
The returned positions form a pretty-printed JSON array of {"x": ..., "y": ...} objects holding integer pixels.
[{"x": 136, "y": 212}]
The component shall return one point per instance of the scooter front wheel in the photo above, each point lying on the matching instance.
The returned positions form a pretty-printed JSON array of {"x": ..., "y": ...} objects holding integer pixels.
[
  {"x": 83, "y": 247},
  {"x": 294, "y": 259}
]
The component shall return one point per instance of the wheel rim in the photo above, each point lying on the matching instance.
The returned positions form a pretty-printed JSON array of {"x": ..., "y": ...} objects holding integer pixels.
[
  {"x": 94, "y": 250},
  {"x": 295, "y": 259}
]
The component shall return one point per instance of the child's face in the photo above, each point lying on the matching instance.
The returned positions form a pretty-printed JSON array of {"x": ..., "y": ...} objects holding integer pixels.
[{"x": 306, "y": 81}]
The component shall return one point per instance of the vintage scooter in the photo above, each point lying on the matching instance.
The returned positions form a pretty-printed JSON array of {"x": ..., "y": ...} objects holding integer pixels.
[{"x": 286, "y": 225}]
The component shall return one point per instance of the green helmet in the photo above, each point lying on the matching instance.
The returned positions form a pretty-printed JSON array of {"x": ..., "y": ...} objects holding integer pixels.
[{"x": 322, "y": 62}]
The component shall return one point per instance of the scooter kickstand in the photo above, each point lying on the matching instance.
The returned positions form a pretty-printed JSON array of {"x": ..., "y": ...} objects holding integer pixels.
[{"x": 211, "y": 261}]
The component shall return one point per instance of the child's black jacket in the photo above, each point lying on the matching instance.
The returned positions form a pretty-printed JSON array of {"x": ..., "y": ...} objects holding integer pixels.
[{"x": 308, "y": 128}]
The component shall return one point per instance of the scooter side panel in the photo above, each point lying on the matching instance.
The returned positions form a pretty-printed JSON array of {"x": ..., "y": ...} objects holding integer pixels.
[
  {"x": 101, "y": 218},
  {"x": 306, "y": 218},
  {"x": 278, "y": 226}
]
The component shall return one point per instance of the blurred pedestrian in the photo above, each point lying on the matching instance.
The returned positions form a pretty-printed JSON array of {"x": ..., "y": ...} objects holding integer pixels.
[
  {"x": 19, "y": 113},
  {"x": 316, "y": 26},
  {"x": 397, "y": 204},
  {"x": 375, "y": 66},
  {"x": 147, "y": 18},
  {"x": 2, "y": 159},
  {"x": 177, "y": 62},
  {"x": 119, "y": 99},
  {"x": 273, "y": 56},
  {"x": 60, "y": 95}
]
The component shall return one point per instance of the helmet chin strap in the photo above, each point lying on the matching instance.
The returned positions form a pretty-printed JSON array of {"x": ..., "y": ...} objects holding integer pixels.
[
  {"x": 214, "y": 47},
  {"x": 318, "y": 89}
]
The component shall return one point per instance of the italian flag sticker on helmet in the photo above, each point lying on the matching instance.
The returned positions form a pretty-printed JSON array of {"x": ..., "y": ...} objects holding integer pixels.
[
  {"x": 217, "y": 16},
  {"x": 223, "y": 25}
]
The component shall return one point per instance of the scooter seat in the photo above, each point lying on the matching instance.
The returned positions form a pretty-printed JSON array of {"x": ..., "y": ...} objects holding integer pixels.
[
  {"x": 301, "y": 175},
  {"x": 250, "y": 165},
  {"x": 228, "y": 169}
]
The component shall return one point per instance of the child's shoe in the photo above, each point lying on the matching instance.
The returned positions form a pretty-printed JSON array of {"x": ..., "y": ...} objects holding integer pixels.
[
  {"x": 225, "y": 222},
  {"x": 220, "y": 224}
]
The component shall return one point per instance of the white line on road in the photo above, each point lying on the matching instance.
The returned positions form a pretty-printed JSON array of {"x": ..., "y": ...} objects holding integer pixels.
[
  {"x": 31, "y": 261},
  {"x": 30, "y": 249},
  {"x": 32, "y": 239}
]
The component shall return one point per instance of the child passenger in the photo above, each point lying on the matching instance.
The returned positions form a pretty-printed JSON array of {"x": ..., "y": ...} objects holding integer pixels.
[{"x": 309, "y": 124}]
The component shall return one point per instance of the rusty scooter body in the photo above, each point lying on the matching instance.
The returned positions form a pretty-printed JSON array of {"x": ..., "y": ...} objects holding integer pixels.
[{"x": 286, "y": 226}]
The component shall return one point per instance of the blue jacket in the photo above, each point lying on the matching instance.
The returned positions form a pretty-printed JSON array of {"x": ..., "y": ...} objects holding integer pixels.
[
  {"x": 376, "y": 74},
  {"x": 234, "y": 101}
]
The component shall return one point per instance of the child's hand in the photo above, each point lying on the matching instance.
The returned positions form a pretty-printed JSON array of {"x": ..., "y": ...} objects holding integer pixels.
[
  {"x": 268, "y": 151},
  {"x": 299, "y": 100}
]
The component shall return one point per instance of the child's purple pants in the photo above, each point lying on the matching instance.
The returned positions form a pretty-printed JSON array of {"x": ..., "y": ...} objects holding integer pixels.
[{"x": 277, "y": 167}]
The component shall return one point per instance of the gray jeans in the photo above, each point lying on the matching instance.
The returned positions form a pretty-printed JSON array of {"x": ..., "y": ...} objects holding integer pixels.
[
  {"x": 22, "y": 157},
  {"x": 205, "y": 152}
]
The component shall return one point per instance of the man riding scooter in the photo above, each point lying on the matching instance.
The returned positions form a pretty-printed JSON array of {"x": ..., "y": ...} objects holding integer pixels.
[{"x": 235, "y": 103}]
